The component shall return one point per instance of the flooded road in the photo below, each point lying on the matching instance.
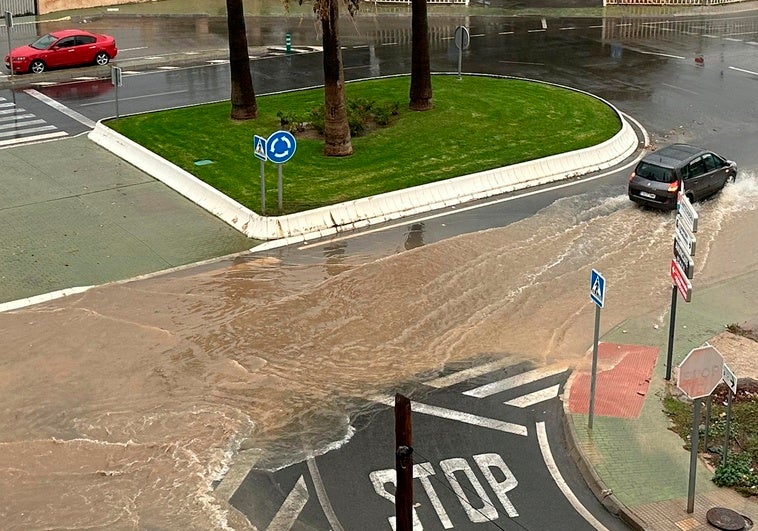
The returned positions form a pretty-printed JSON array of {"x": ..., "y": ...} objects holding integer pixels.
[{"x": 123, "y": 405}]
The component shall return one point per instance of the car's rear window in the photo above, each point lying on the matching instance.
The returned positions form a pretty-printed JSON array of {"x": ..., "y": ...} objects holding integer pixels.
[{"x": 653, "y": 172}]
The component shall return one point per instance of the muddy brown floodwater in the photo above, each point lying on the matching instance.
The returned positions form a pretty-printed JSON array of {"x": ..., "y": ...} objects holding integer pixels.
[{"x": 122, "y": 405}]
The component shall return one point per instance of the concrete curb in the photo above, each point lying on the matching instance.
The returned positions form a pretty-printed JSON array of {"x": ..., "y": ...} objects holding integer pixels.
[
  {"x": 598, "y": 487},
  {"x": 376, "y": 209}
]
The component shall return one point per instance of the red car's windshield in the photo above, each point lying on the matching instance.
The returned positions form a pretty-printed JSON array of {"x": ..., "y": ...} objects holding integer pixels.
[{"x": 43, "y": 43}]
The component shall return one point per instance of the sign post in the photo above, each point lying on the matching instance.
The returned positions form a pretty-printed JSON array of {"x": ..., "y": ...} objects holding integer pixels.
[
  {"x": 116, "y": 81},
  {"x": 8, "y": 26},
  {"x": 731, "y": 381},
  {"x": 462, "y": 39},
  {"x": 682, "y": 266},
  {"x": 259, "y": 150},
  {"x": 699, "y": 374},
  {"x": 597, "y": 294},
  {"x": 280, "y": 147}
]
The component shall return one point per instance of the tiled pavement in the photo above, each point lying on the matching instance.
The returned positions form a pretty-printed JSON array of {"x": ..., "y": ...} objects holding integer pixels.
[
  {"x": 635, "y": 460},
  {"x": 73, "y": 214}
]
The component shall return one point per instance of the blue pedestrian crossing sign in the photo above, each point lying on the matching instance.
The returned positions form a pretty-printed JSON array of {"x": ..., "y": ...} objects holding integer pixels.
[
  {"x": 259, "y": 147},
  {"x": 597, "y": 288}
]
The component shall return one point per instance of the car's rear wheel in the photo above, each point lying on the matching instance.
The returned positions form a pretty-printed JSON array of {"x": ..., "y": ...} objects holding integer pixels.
[
  {"x": 102, "y": 58},
  {"x": 37, "y": 67}
]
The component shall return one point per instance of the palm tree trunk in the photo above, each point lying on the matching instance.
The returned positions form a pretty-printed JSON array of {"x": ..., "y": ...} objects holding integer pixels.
[
  {"x": 244, "y": 106},
  {"x": 421, "y": 77},
  {"x": 336, "y": 128}
]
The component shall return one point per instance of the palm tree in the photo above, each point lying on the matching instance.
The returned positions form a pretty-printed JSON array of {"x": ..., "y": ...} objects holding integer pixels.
[
  {"x": 337, "y": 141},
  {"x": 244, "y": 106},
  {"x": 421, "y": 77}
]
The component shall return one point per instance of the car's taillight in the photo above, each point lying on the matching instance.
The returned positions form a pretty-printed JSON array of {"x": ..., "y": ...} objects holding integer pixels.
[{"x": 674, "y": 187}]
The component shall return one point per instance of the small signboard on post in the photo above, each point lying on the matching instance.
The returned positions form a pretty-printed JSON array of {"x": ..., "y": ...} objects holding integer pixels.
[{"x": 597, "y": 294}]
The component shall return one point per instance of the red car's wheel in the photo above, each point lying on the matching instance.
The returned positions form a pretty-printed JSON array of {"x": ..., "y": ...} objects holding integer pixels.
[
  {"x": 37, "y": 67},
  {"x": 102, "y": 59}
]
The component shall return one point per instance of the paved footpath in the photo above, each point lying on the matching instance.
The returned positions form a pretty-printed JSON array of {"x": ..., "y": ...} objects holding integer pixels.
[
  {"x": 73, "y": 214},
  {"x": 630, "y": 456}
]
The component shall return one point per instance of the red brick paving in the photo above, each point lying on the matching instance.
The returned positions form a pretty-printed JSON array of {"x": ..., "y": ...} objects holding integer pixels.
[{"x": 623, "y": 377}]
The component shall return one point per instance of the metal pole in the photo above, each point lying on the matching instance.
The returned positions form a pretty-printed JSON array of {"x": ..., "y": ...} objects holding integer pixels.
[
  {"x": 726, "y": 428},
  {"x": 672, "y": 325},
  {"x": 593, "y": 377},
  {"x": 279, "y": 187},
  {"x": 116, "y": 91},
  {"x": 707, "y": 422},
  {"x": 694, "y": 442},
  {"x": 403, "y": 464},
  {"x": 460, "y": 56},
  {"x": 263, "y": 190},
  {"x": 8, "y": 25}
]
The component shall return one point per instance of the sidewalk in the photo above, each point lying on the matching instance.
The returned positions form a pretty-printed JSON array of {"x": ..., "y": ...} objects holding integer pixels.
[{"x": 633, "y": 462}]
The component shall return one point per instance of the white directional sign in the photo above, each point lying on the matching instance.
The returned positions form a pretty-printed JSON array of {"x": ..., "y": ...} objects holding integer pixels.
[
  {"x": 687, "y": 212},
  {"x": 685, "y": 237},
  {"x": 597, "y": 288},
  {"x": 729, "y": 378},
  {"x": 700, "y": 372}
]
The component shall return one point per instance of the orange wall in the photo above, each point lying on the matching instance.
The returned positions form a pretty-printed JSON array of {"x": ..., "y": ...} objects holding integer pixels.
[{"x": 48, "y": 6}]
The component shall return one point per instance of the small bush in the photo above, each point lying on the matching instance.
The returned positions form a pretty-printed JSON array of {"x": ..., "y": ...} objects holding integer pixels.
[
  {"x": 292, "y": 122},
  {"x": 736, "y": 473},
  {"x": 317, "y": 119}
]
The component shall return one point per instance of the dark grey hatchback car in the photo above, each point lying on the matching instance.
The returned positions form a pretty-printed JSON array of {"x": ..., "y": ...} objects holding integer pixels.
[{"x": 660, "y": 175}]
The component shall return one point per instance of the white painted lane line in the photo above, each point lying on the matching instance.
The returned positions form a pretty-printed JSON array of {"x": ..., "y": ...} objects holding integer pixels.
[
  {"x": 732, "y": 39},
  {"x": 134, "y": 98},
  {"x": 506, "y": 33},
  {"x": 60, "y": 107},
  {"x": 132, "y": 49},
  {"x": 287, "y": 514},
  {"x": 660, "y": 54},
  {"x": 547, "y": 456},
  {"x": 459, "y": 416},
  {"x": 514, "y": 381},
  {"x": 467, "y": 374},
  {"x": 535, "y": 30},
  {"x": 29, "y": 140},
  {"x": 326, "y": 505},
  {"x": 679, "y": 88},
  {"x": 11, "y": 111},
  {"x": 6, "y": 105},
  {"x": 568, "y": 28},
  {"x": 536, "y": 397},
  {"x": 743, "y": 70},
  {"x": 752, "y": 42}
]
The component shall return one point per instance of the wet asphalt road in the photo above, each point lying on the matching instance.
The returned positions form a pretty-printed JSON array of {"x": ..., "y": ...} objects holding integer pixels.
[{"x": 647, "y": 69}]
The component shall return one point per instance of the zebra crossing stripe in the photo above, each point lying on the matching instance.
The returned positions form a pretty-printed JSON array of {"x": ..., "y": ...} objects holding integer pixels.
[
  {"x": 514, "y": 381},
  {"x": 32, "y": 130},
  {"x": 16, "y": 126},
  {"x": 35, "y": 138},
  {"x": 467, "y": 374},
  {"x": 534, "y": 398}
]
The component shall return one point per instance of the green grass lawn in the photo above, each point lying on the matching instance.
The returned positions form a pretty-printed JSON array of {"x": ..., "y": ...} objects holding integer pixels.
[{"x": 478, "y": 123}]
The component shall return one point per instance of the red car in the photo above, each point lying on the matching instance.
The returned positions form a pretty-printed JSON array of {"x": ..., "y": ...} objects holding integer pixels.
[{"x": 62, "y": 48}]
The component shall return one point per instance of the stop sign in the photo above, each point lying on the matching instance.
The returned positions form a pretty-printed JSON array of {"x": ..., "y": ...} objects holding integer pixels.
[{"x": 700, "y": 372}]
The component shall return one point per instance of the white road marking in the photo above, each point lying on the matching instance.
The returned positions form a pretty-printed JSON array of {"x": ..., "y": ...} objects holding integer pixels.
[
  {"x": 506, "y": 33},
  {"x": 60, "y": 107},
  {"x": 660, "y": 54},
  {"x": 287, "y": 514},
  {"x": 680, "y": 88},
  {"x": 547, "y": 456},
  {"x": 133, "y": 98},
  {"x": 326, "y": 505},
  {"x": 743, "y": 70},
  {"x": 534, "y": 398},
  {"x": 568, "y": 28},
  {"x": 732, "y": 39},
  {"x": 169, "y": 68},
  {"x": 535, "y": 30},
  {"x": 11, "y": 110},
  {"x": 14, "y": 116},
  {"x": 32, "y": 130},
  {"x": 753, "y": 43},
  {"x": 467, "y": 374},
  {"x": 21, "y": 124},
  {"x": 459, "y": 416},
  {"x": 29, "y": 140},
  {"x": 514, "y": 381},
  {"x": 132, "y": 49}
]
